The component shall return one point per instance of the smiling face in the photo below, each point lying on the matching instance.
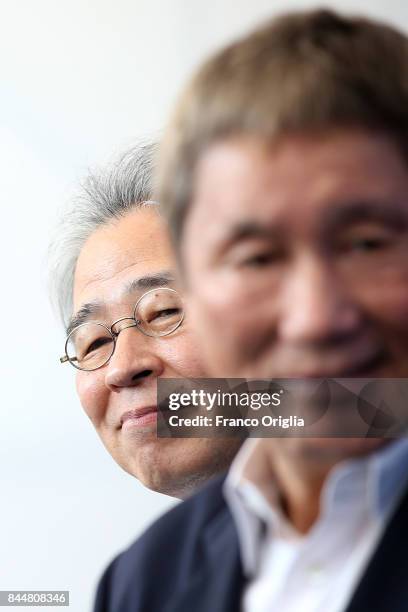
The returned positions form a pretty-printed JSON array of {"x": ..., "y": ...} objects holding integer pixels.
[
  {"x": 117, "y": 265},
  {"x": 296, "y": 257}
]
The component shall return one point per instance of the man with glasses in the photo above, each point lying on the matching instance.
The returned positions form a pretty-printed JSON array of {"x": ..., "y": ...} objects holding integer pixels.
[
  {"x": 113, "y": 277},
  {"x": 290, "y": 216}
]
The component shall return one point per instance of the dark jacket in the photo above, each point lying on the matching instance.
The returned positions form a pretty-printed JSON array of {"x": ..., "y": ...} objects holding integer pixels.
[{"x": 188, "y": 561}]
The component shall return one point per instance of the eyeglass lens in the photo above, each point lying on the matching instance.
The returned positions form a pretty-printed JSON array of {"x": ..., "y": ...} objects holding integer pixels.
[{"x": 158, "y": 313}]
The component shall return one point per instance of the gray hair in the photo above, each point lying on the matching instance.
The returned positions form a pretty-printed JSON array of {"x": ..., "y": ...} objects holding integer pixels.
[{"x": 103, "y": 196}]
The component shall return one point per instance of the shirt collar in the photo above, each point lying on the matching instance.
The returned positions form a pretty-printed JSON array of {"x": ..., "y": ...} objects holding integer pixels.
[{"x": 373, "y": 483}]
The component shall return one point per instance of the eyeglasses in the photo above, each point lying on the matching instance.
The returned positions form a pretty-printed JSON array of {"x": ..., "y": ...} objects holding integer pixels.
[{"x": 89, "y": 346}]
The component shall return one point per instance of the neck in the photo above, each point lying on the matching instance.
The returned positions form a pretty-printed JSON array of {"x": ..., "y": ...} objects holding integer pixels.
[
  {"x": 300, "y": 490},
  {"x": 300, "y": 473},
  {"x": 301, "y": 467}
]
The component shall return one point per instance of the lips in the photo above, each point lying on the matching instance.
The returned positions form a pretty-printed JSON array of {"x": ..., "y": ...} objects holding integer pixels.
[
  {"x": 139, "y": 416},
  {"x": 347, "y": 369}
]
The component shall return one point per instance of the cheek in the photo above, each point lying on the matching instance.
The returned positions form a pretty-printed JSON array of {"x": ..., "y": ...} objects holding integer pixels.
[
  {"x": 389, "y": 306},
  {"x": 225, "y": 333},
  {"x": 238, "y": 329},
  {"x": 93, "y": 395},
  {"x": 183, "y": 354},
  {"x": 229, "y": 313}
]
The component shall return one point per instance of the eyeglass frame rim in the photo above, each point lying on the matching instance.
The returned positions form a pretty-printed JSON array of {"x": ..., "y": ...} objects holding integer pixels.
[{"x": 115, "y": 335}]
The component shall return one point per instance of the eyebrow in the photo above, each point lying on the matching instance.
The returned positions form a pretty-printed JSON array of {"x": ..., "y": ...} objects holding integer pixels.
[
  {"x": 83, "y": 314},
  {"x": 393, "y": 214},
  {"x": 246, "y": 230},
  {"x": 150, "y": 281},
  {"x": 345, "y": 213}
]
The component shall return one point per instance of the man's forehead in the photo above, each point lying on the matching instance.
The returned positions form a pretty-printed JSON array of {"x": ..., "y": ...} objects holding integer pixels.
[
  {"x": 134, "y": 245},
  {"x": 239, "y": 181},
  {"x": 128, "y": 287}
]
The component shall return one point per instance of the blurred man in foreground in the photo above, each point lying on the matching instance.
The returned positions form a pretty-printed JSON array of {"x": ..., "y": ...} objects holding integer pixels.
[{"x": 290, "y": 212}]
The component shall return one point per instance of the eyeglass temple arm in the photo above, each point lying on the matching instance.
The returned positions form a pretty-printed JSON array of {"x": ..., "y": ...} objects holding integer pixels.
[{"x": 65, "y": 358}]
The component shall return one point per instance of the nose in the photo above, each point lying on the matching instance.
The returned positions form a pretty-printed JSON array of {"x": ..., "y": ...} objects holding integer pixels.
[
  {"x": 316, "y": 307},
  {"x": 134, "y": 360}
]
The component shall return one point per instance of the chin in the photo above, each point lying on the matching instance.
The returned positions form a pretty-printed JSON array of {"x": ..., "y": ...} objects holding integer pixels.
[
  {"x": 148, "y": 462},
  {"x": 178, "y": 467},
  {"x": 339, "y": 448},
  {"x": 161, "y": 466}
]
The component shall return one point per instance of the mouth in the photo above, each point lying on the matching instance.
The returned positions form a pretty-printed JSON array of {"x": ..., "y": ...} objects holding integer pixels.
[
  {"x": 363, "y": 368},
  {"x": 139, "y": 417}
]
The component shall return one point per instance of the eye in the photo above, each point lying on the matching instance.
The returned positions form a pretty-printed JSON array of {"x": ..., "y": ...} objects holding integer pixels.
[
  {"x": 366, "y": 243},
  {"x": 165, "y": 312},
  {"x": 260, "y": 260},
  {"x": 367, "y": 237},
  {"x": 96, "y": 344},
  {"x": 255, "y": 254},
  {"x": 369, "y": 243}
]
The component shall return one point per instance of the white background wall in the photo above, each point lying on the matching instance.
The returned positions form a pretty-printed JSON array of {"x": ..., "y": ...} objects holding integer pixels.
[{"x": 79, "y": 79}]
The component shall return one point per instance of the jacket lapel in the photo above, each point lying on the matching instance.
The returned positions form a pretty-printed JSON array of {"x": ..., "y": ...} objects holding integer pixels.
[
  {"x": 384, "y": 585},
  {"x": 217, "y": 584},
  {"x": 217, "y": 581}
]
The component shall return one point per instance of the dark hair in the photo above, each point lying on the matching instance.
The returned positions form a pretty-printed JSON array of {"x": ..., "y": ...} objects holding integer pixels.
[{"x": 303, "y": 71}]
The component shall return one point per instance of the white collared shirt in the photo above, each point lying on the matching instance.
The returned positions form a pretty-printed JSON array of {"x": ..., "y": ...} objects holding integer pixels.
[{"x": 319, "y": 571}]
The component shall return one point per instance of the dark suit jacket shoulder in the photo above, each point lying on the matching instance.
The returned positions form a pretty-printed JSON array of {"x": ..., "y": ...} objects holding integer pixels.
[
  {"x": 173, "y": 557},
  {"x": 188, "y": 561}
]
